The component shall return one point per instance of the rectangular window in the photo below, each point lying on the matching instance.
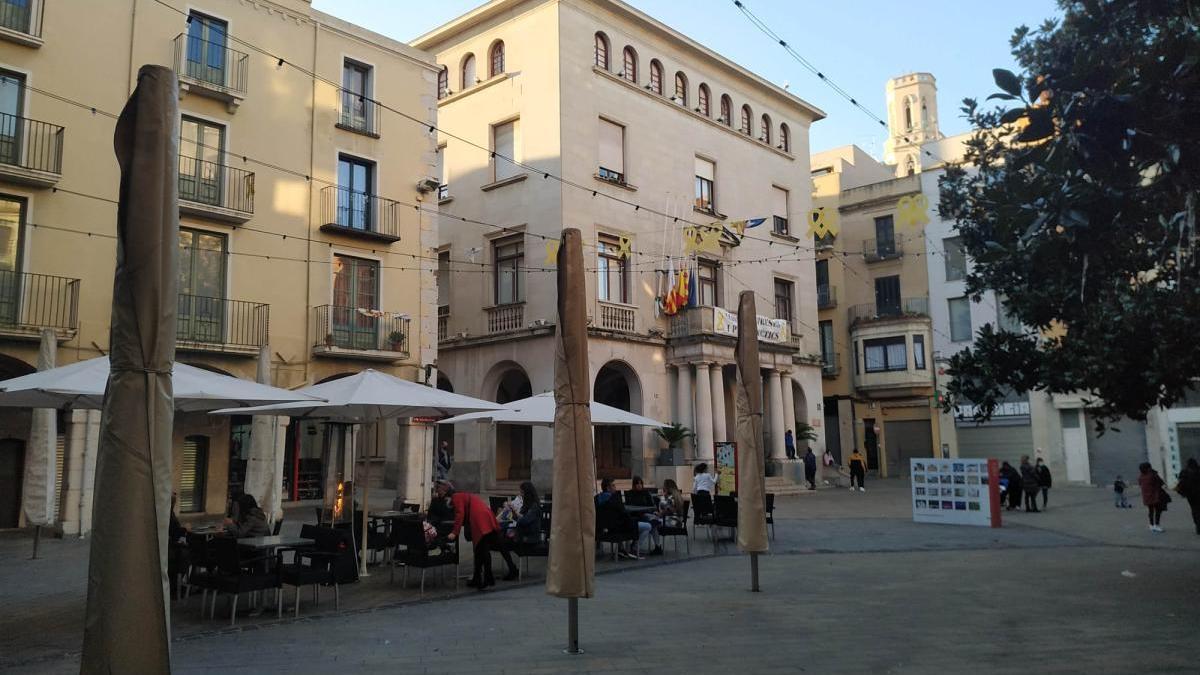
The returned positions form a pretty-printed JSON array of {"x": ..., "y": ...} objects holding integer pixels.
[
  {"x": 1004, "y": 320},
  {"x": 12, "y": 221},
  {"x": 201, "y": 308},
  {"x": 955, "y": 258},
  {"x": 783, "y": 300},
  {"x": 825, "y": 328},
  {"x": 443, "y": 181},
  {"x": 706, "y": 172},
  {"x": 710, "y": 293},
  {"x": 885, "y": 236},
  {"x": 885, "y": 354},
  {"x": 206, "y": 45},
  {"x": 919, "y": 352},
  {"x": 509, "y": 257},
  {"x": 825, "y": 297},
  {"x": 779, "y": 209},
  {"x": 12, "y": 107},
  {"x": 960, "y": 319},
  {"x": 356, "y": 186},
  {"x": 612, "y": 273},
  {"x": 504, "y": 144},
  {"x": 887, "y": 296},
  {"x": 194, "y": 474},
  {"x": 355, "y": 287},
  {"x": 356, "y": 95},
  {"x": 201, "y": 145},
  {"x": 443, "y": 279},
  {"x": 612, "y": 152}
]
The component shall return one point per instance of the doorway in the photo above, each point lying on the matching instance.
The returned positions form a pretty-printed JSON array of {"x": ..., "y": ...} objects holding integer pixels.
[
  {"x": 12, "y": 473},
  {"x": 1075, "y": 447},
  {"x": 514, "y": 442},
  {"x": 871, "y": 443}
]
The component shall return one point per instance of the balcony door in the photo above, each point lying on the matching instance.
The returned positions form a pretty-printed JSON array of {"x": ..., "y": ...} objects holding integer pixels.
[
  {"x": 887, "y": 296},
  {"x": 355, "y": 294},
  {"x": 206, "y": 45},
  {"x": 201, "y": 145},
  {"x": 885, "y": 236},
  {"x": 12, "y": 220},
  {"x": 356, "y": 81},
  {"x": 355, "y": 184},
  {"x": 201, "y": 286},
  {"x": 12, "y": 105}
]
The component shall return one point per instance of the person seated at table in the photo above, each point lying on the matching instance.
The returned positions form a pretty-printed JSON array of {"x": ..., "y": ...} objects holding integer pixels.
[
  {"x": 508, "y": 514},
  {"x": 670, "y": 503},
  {"x": 610, "y": 509},
  {"x": 638, "y": 495},
  {"x": 474, "y": 513},
  {"x": 528, "y": 525},
  {"x": 703, "y": 481},
  {"x": 251, "y": 521}
]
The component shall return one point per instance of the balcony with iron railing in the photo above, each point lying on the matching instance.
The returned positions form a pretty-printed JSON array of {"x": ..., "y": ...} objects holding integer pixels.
[
  {"x": 831, "y": 364},
  {"x": 30, "y": 303},
  {"x": 505, "y": 318},
  {"x": 21, "y": 21},
  {"x": 220, "y": 325},
  {"x": 211, "y": 69},
  {"x": 30, "y": 151},
  {"x": 826, "y": 296},
  {"x": 358, "y": 114},
  {"x": 714, "y": 322},
  {"x": 215, "y": 191},
  {"x": 360, "y": 333},
  {"x": 878, "y": 250},
  {"x": 443, "y": 325},
  {"x": 362, "y": 215},
  {"x": 824, "y": 242},
  {"x": 908, "y": 308}
]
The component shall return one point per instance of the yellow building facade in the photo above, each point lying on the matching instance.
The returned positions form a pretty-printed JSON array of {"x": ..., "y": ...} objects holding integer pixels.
[{"x": 307, "y": 214}]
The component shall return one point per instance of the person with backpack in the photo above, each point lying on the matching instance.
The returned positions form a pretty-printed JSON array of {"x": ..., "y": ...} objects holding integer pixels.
[
  {"x": 1044, "y": 480},
  {"x": 1188, "y": 487},
  {"x": 1154, "y": 496},
  {"x": 858, "y": 470}
]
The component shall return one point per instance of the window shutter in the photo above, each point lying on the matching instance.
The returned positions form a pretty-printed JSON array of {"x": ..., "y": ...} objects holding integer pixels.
[
  {"x": 705, "y": 169},
  {"x": 779, "y": 203},
  {"x": 612, "y": 145},
  {"x": 504, "y": 144}
]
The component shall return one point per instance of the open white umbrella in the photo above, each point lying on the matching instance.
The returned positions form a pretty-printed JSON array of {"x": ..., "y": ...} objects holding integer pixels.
[
  {"x": 539, "y": 411},
  {"x": 81, "y": 386}
]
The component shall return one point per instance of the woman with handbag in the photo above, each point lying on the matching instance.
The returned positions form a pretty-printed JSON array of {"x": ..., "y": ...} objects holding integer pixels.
[{"x": 1154, "y": 496}]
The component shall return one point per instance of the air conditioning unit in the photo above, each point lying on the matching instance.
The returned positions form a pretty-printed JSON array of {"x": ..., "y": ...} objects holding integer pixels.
[{"x": 426, "y": 185}]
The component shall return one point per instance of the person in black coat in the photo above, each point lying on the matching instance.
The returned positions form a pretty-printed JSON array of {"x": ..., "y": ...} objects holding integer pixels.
[
  {"x": 1013, "y": 491},
  {"x": 1044, "y": 480},
  {"x": 1029, "y": 485},
  {"x": 810, "y": 469}
]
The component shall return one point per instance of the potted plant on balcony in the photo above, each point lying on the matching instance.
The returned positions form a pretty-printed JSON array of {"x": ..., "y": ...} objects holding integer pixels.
[
  {"x": 674, "y": 435},
  {"x": 395, "y": 340},
  {"x": 329, "y": 339}
]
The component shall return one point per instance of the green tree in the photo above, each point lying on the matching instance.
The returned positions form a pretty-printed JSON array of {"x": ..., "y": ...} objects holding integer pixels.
[{"x": 1077, "y": 204}]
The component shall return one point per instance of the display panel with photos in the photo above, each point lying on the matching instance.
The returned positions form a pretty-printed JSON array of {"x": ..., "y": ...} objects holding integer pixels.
[{"x": 954, "y": 491}]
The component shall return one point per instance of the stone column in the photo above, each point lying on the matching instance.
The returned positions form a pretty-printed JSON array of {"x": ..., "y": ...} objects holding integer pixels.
[
  {"x": 704, "y": 413},
  {"x": 91, "y": 448},
  {"x": 683, "y": 406},
  {"x": 775, "y": 405},
  {"x": 789, "y": 406},
  {"x": 717, "y": 378},
  {"x": 76, "y": 433}
]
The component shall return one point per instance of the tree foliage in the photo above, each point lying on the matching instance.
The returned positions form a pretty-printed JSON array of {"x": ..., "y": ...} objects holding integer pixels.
[{"x": 1078, "y": 206}]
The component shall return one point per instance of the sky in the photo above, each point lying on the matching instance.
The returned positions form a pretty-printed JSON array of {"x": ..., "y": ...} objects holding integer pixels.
[{"x": 859, "y": 44}]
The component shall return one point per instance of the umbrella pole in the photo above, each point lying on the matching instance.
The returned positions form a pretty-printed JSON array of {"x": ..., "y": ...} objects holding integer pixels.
[
  {"x": 37, "y": 536},
  {"x": 754, "y": 572},
  {"x": 573, "y": 626},
  {"x": 362, "y": 558}
]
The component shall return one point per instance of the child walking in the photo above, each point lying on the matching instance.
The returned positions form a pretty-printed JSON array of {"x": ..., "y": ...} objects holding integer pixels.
[{"x": 1119, "y": 500}]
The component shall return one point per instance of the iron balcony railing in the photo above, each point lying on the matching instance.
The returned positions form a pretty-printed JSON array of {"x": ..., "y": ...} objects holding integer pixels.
[
  {"x": 211, "y": 64},
  {"x": 216, "y": 185},
  {"x": 361, "y": 213},
  {"x": 908, "y": 307},
  {"x": 443, "y": 326},
  {"x": 826, "y": 296},
  {"x": 875, "y": 250},
  {"x": 22, "y": 16},
  {"x": 359, "y": 114},
  {"x": 823, "y": 242},
  {"x": 35, "y": 301},
  {"x": 360, "y": 329},
  {"x": 30, "y": 144},
  {"x": 831, "y": 364},
  {"x": 222, "y": 322}
]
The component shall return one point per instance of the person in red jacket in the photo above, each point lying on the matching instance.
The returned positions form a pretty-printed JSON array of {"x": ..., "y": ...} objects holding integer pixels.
[
  {"x": 1152, "y": 495},
  {"x": 481, "y": 523}
]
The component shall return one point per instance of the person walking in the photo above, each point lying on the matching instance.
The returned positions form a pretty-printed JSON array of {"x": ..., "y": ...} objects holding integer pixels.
[
  {"x": 1119, "y": 499},
  {"x": 1011, "y": 479},
  {"x": 474, "y": 514},
  {"x": 789, "y": 444},
  {"x": 810, "y": 469},
  {"x": 1029, "y": 485},
  {"x": 1188, "y": 487},
  {"x": 1044, "y": 480},
  {"x": 1154, "y": 497},
  {"x": 443, "y": 462},
  {"x": 858, "y": 469}
]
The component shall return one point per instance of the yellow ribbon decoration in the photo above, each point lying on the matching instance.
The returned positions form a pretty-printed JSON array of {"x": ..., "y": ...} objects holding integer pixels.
[
  {"x": 624, "y": 251},
  {"x": 912, "y": 210},
  {"x": 552, "y": 251},
  {"x": 689, "y": 239},
  {"x": 710, "y": 239},
  {"x": 822, "y": 224},
  {"x": 738, "y": 226}
]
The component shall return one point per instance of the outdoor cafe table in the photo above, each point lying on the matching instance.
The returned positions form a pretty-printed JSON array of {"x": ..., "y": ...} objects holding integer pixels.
[
  {"x": 273, "y": 542},
  {"x": 639, "y": 510}
]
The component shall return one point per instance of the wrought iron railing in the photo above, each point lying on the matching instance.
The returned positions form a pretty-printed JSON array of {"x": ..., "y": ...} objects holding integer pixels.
[
  {"x": 831, "y": 364},
  {"x": 352, "y": 210},
  {"x": 222, "y": 322},
  {"x": 33, "y": 301},
  {"x": 360, "y": 329},
  {"x": 908, "y": 307},
  {"x": 826, "y": 296},
  {"x": 215, "y": 184},
  {"x": 23, "y": 16},
  {"x": 211, "y": 64},
  {"x": 822, "y": 242},
  {"x": 875, "y": 250},
  {"x": 359, "y": 113},
  {"x": 443, "y": 326},
  {"x": 504, "y": 318},
  {"x": 618, "y": 317},
  {"x": 30, "y": 144}
]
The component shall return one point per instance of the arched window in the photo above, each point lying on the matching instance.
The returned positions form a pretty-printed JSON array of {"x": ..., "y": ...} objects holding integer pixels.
[
  {"x": 681, "y": 89},
  {"x": 702, "y": 98},
  {"x": 656, "y": 77},
  {"x": 785, "y": 138},
  {"x": 629, "y": 71},
  {"x": 908, "y": 118},
  {"x": 726, "y": 110},
  {"x": 746, "y": 123},
  {"x": 766, "y": 129},
  {"x": 468, "y": 72},
  {"x": 443, "y": 83},
  {"x": 602, "y": 50},
  {"x": 910, "y": 166},
  {"x": 496, "y": 59}
]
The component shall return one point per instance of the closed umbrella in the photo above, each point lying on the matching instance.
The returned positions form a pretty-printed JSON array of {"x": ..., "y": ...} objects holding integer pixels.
[
  {"x": 264, "y": 465},
  {"x": 751, "y": 473},
  {"x": 540, "y": 410},
  {"x": 125, "y": 629},
  {"x": 38, "y": 490},
  {"x": 572, "y": 566}
]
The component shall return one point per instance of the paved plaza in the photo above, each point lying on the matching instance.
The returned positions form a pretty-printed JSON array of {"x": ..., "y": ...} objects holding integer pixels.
[{"x": 851, "y": 585}]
